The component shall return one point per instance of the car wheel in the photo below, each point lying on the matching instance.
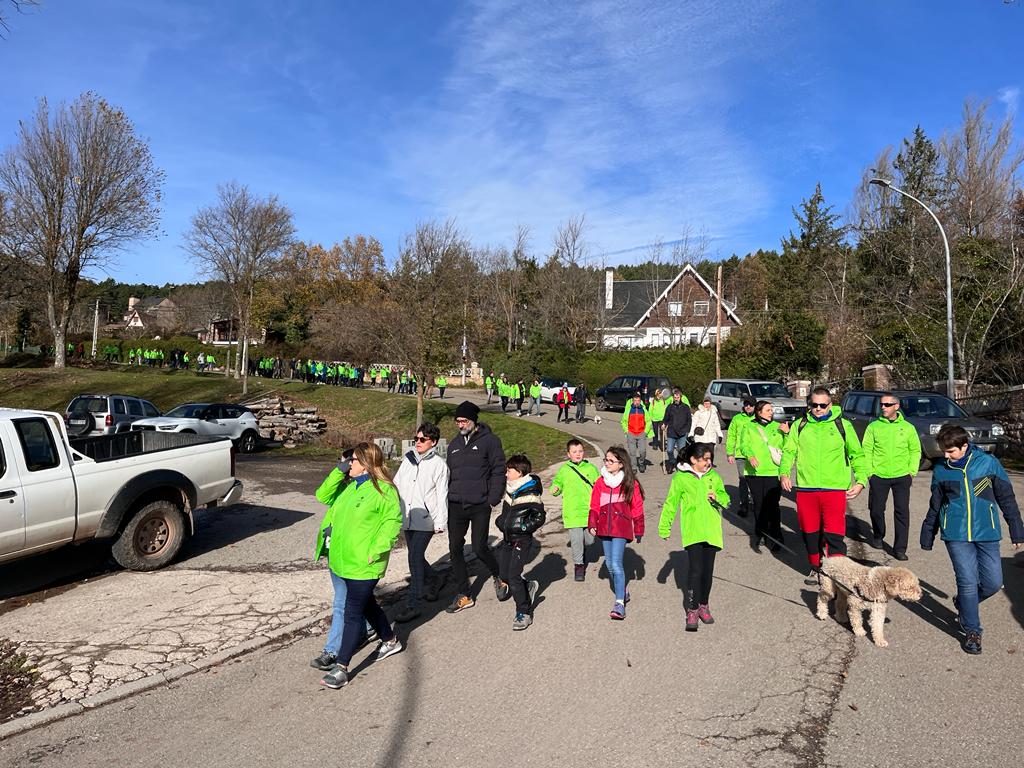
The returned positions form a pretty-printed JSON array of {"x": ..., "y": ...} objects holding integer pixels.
[
  {"x": 247, "y": 442},
  {"x": 925, "y": 464},
  {"x": 601, "y": 405},
  {"x": 152, "y": 538}
]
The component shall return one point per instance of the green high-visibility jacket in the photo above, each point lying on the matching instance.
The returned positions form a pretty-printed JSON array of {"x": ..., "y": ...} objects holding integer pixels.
[
  {"x": 488, "y": 382},
  {"x": 734, "y": 436},
  {"x": 892, "y": 448},
  {"x": 657, "y": 409},
  {"x": 575, "y": 492},
  {"x": 365, "y": 522},
  {"x": 535, "y": 391},
  {"x": 823, "y": 460},
  {"x": 688, "y": 497},
  {"x": 754, "y": 441},
  {"x": 441, "y": 381}
]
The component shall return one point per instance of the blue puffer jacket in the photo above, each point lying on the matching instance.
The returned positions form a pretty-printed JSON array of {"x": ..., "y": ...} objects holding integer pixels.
[{"x": 964, "y": 500}]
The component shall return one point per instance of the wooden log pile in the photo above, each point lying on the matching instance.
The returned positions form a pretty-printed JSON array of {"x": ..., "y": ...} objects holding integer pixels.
[{"x": 282, "y": 421}]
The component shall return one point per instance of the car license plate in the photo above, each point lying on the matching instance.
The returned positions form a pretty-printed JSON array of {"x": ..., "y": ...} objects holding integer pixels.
[
  {"x": 76, "y": 422},
  {"x": 986, "y": 448}
]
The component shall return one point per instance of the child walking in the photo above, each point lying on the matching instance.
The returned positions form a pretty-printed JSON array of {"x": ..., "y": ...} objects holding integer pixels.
[
  {"x": 970, "y": 480},
  {"x": 574, "y": 482},
  {"x": 695, "y": 484},
  {"x": 617, "y": 517},
  {"x": 522, "y": 513}
]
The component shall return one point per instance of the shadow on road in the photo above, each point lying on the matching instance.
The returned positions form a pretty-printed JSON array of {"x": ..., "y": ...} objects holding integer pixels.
[
  {"x": 1013, "y": 584},
  {"x": 222, "y": 527}
]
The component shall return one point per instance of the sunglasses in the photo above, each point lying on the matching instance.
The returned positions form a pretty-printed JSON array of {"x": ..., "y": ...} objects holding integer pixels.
[
  {"x": 421, "y": 439},
  {"x": 817, "y": 406},
  {"x": 889, "y": 405}
]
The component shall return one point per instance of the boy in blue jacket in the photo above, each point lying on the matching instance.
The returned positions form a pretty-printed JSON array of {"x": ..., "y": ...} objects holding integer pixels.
[{"x": 966, "y": 489}]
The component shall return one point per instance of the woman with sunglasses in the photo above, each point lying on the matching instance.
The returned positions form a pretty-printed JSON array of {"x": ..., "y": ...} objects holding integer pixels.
[
  {"x": 617, "y": 517},
  {"x": 422, "y": 482},
  {"x": 360, "y": 528}
]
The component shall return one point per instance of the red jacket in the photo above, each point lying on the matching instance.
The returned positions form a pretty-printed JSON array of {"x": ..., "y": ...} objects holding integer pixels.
[
  {"x": 563, "y": 397},
  {"x": 612, "y": 515}
]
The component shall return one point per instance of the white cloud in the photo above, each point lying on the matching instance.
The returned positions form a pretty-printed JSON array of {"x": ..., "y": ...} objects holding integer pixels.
[
  {"x": 624, "y": 112},
  {"x": 1009, "y": 96}
]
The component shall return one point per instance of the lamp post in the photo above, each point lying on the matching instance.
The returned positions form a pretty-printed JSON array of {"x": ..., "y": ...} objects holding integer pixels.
[{"x": 950, "y": 389}]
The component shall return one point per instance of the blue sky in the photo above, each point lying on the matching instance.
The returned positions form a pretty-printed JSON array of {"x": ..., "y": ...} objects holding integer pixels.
[{"x": 652, "y": 119}]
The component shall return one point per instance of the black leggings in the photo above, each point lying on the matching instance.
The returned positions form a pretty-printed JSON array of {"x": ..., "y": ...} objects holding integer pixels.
[
  {"x": 701, "y": 571},
  {"x": 766, "y": 493}
]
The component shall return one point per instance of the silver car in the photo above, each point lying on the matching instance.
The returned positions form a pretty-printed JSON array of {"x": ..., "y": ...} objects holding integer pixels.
[
  {"x": 728, "y": 394},
  {"x": 212, "y": 419},
  {"x": 89, "y": 415}
]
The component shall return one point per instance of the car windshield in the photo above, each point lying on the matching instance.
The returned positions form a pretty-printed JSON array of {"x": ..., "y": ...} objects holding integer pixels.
[
  {"x": 771, "y": 389},
  {"x": 193, "y": 411},
  {"x": 89, "y": 404},
  {"x": 930, "y": 407}
]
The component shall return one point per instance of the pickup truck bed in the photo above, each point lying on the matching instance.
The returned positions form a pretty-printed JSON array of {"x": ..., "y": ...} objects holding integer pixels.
[{"x": 103, "y": 448}]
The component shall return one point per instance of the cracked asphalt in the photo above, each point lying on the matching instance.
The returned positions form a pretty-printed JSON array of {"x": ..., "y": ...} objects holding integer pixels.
[{"x": 767, "y": 684}]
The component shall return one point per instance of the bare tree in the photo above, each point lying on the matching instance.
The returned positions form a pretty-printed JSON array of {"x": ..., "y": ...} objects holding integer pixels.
[
  {"x": 578, "y": 294},
  {"x": 240, "y": 240},
  {"x": 18, "y": 6},
  {"x": 80, "y": 185},
  {"x": 504, "y": 270}
]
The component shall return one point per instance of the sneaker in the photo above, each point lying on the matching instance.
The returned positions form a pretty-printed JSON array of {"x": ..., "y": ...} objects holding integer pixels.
[
  {"x": 812, "y": 579},
  {"x": 580, "y": 573},
  {"x": 972, "y": 644},
  {"x": 532, "y": 588},
  {"x": 336, "y": 678},
  {"x": 371, "y": 636},
  {"x": 324, "y": 661},
  {"x": 408, "y": 613},
  {"x": 628, "y": 598},
  {"x": 692, "y": 621},
  {"x": 389, "y": 649},
  {"x": 501, "y": 590},
  {"x": 704, "y": 614},
  {"x": 460, "y": 603},
  {"x": 618, "y": 611},
  {"x": 522, "y": 621}
]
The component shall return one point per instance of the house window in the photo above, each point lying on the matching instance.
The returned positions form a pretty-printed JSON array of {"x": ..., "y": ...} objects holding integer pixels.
[
  {"x": 701, "y": 307},
  {"x": 693, "y": 338},
  {"x": 675, "y": 309}
]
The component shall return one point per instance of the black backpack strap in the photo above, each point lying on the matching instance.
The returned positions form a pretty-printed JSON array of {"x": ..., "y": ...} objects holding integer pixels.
[
  {"x": 839, "y": 426},
  {"x": 582, "y": 476}
]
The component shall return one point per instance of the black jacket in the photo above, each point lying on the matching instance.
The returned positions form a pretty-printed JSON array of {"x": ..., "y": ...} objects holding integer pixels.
[
  {"x": 477, "y": 468},
  {"x": 523, "y": 511},
  {"x": 677, "y": 419}
]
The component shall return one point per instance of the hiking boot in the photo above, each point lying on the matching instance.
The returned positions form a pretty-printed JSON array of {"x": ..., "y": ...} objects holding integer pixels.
[
  {"x": 532, "y": 588},
  {"x": 501, "y": 590},
  {"x": 460, "y": 603},
  {"x": 336, "y": 678},
  {"x": 324, "y": 662},
  {"x": 618, "y": 611},
  {"x": 522, "y": 621},
  {"x": 580, "y": 573},
  {"x": 389, "y": 649},
  {"x": 692, "y": 621},
  {"x": 972, "y": 644},
  {"x": 408, "y": 613},
  {"x": 704, "y": 614}
]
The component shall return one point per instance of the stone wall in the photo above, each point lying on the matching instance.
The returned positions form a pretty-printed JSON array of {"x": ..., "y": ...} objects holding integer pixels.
[
  {"x": 280, "y": 420},
  {"x": 1006, "y": 407}
]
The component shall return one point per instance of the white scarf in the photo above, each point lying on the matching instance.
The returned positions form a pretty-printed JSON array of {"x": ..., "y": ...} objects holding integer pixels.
[
  {"x": 612, "y": 479},
  {"x": 685, "y": 467},
  {"x": 511, "y": 486}
]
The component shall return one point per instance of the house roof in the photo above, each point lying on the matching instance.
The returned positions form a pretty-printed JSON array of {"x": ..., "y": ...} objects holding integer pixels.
[{"x": 634, "y": 300}]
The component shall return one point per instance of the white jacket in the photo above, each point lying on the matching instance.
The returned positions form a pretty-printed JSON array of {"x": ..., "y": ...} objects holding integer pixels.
[
  {"x": 422, "y": 483},
  {"x": 708, "y": 419}
]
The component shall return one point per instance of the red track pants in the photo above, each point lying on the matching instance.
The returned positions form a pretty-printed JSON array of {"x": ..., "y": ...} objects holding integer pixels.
[{"x": 822, "y": 518}]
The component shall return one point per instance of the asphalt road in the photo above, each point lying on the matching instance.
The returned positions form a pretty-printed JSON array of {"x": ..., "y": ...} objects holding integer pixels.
[{"x": 767, "y": 684}]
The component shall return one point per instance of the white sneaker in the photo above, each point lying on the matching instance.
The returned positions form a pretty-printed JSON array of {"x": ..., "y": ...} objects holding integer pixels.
[{"x": 389, "y": 649}]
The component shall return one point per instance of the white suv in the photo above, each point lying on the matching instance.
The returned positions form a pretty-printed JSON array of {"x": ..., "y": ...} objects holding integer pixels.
[{"x": 213, "y": 419}]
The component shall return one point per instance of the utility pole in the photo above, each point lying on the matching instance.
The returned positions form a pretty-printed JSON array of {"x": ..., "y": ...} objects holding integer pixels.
[
  {"x": 95, "y": 328},
  {"x": 718, "y": 331}
]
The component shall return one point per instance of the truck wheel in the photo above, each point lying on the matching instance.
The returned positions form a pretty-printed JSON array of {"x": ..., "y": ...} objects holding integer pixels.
[
  {"x": 152, "y": 538},
  {"x": 926, "y": 464},
  {"x": 601, "y": 405},
  {"x": 247, "y": 442}
]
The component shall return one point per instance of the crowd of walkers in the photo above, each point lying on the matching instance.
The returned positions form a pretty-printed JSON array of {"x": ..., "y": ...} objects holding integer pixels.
[{"x": 455, "y": 495}]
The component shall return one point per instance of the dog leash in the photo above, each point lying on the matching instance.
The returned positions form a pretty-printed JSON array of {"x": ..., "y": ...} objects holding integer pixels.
[{"x": 821, "y": 574}]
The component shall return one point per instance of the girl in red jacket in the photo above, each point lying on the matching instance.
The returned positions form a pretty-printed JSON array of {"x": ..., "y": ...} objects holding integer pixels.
[{"x": 617, "y": 517}]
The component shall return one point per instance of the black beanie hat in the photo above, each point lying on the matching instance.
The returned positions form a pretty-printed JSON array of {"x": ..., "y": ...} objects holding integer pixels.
[{"x": 468, "y": 410}]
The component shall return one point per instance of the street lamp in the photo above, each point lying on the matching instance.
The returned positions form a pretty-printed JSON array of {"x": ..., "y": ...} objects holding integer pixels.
[{"x": 950, "y": 390}]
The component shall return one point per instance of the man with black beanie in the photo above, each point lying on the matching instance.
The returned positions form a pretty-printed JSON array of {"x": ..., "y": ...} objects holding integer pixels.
[{"x": 476, "y": 464}]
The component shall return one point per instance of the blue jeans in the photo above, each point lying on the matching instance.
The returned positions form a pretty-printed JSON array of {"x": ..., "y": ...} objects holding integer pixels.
[
  {"x": 614, "y": 549},
  {"x": 535, "y": 406},
  {"x": 674, "y": 444},
  {"x": 979, "y": 575},
  {"x": 333, "y": 644},
  {"x": 361, "y": 609}
]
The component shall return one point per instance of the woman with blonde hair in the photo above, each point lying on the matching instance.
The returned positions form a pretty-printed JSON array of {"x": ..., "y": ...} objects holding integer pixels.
[{"x": 359, "y": 530}]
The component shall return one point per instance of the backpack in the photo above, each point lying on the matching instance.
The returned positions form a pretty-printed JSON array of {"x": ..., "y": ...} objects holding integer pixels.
[{"x": 839, "y": 426}]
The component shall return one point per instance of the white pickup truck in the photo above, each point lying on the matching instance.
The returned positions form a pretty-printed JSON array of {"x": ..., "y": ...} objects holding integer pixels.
[{"x": 138, "y": 489}]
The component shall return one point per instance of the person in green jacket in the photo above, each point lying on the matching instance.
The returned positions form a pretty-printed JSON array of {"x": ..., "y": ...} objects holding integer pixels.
[
  {"x": 695, "y": 485},
  {"x": 734, "y": 452},
  {"x": 825, "y": 449},
  {"x": 489, "y": 385},
  {"x": 761, "y": 442},
  {"x": 636, "y": 424},
  {"x": 656, "y": 410},
  {"x": 574, "y": 482},
  {"x": 892, "y": 450},
  {"x": 535, "y": 398},
  {"x": 362, "y": 524},
  {"x": 441, "y": 382}
]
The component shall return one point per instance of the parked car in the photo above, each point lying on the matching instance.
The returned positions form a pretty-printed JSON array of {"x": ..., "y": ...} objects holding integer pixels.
[
  {"x": 927, "y": 411},
  {"x": 105, "y": 414},
  {"x": 212, "y": 419},
  {"x": 728, "y": 394},
  {"x": 137, "y": 489},
  {"x": 620, "y": 390},
  {"x": 549, "y": 388}
]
